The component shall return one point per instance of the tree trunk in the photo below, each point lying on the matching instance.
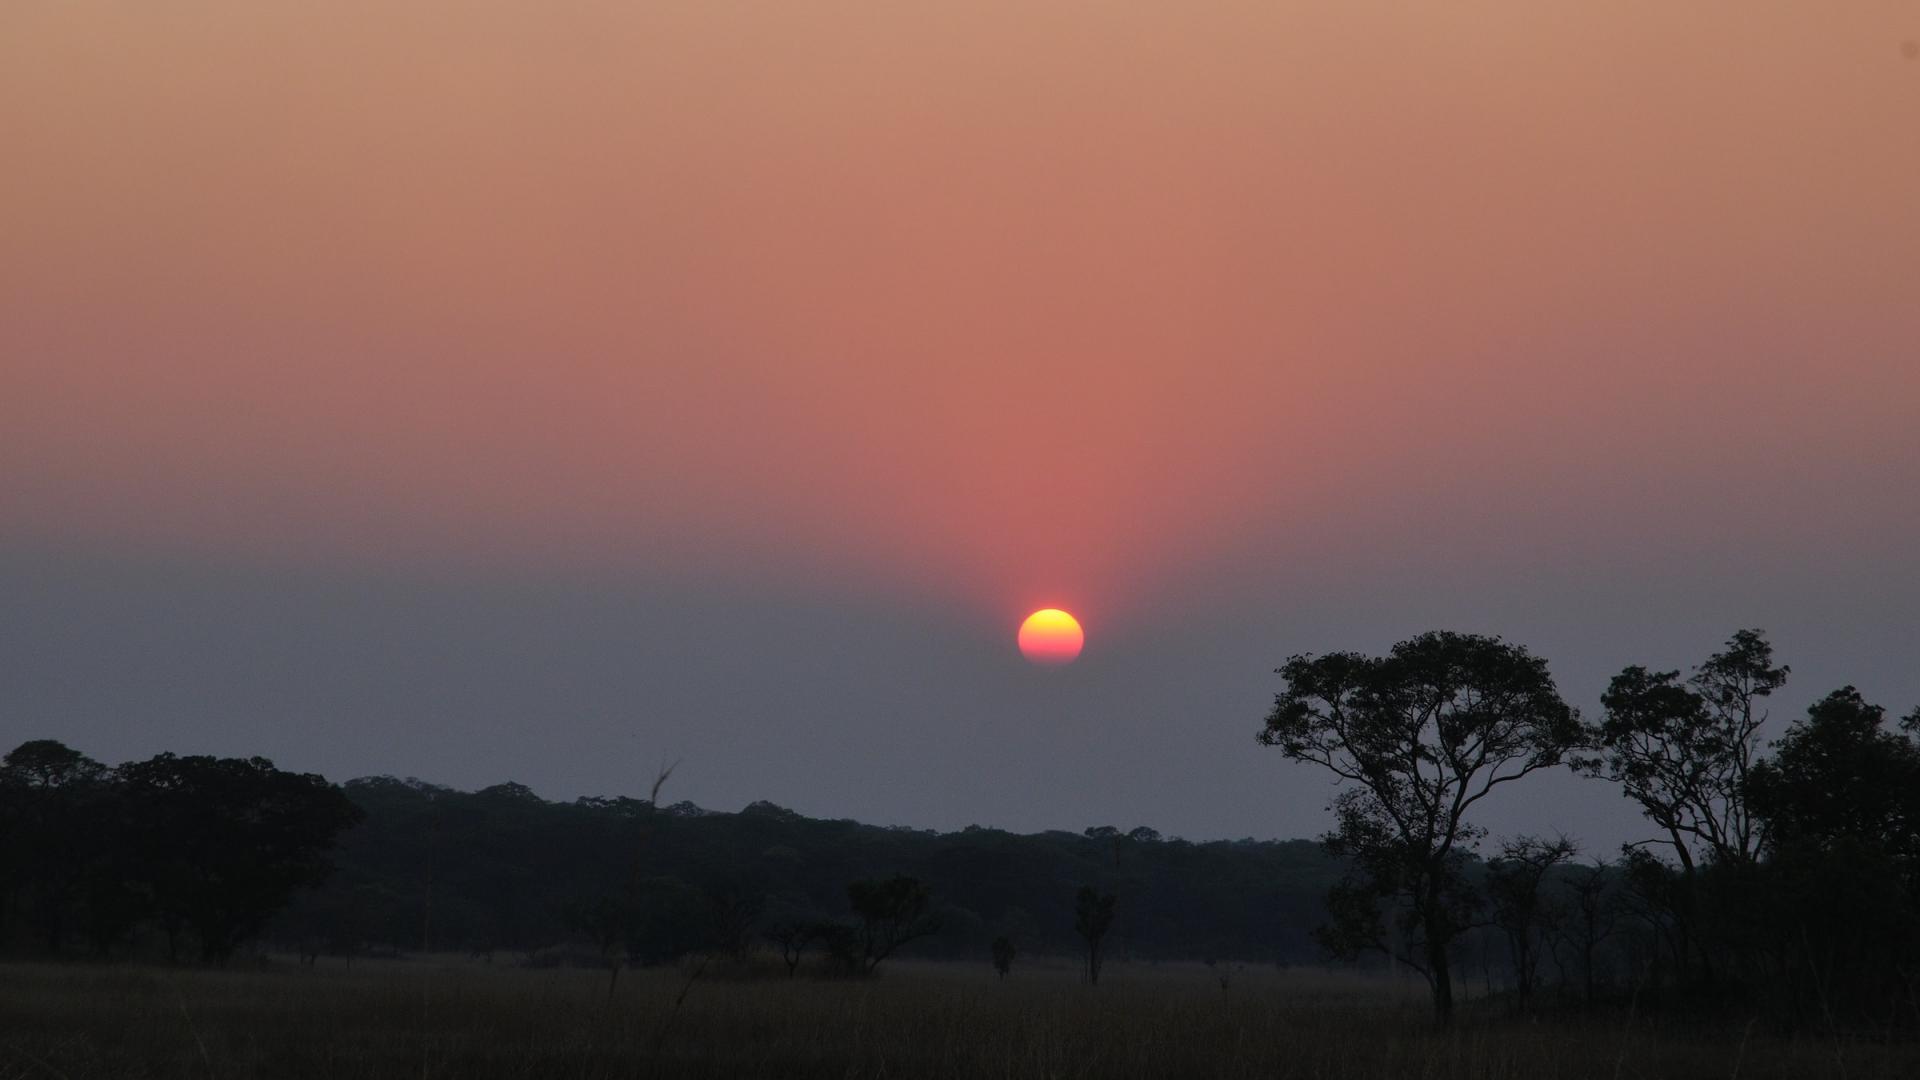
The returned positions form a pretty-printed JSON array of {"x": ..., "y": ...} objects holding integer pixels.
[
  {"x": 1586, "y": 966},
  {"x": 1441, "y": 977},
  {"x": 1684, "y": 915}
]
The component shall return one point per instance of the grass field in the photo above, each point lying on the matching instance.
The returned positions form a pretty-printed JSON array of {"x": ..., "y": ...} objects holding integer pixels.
[{"x": 453, "y": 1019}]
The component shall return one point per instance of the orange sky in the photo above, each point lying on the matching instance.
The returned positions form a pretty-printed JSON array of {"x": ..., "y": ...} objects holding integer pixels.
[{"x": 1011, "y": 303}]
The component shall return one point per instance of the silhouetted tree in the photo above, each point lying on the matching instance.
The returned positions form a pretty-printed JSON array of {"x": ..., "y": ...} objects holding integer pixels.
[
  {"x": 1841, "y": 774},
  {"x": 47, "y": 765},
  {"x": 891, "y": 912},
  {"x": 1841, "y": 802},
  {"x": 1114, "y": 839},
  {"x": 1423, "y": 733},
  {"x": 1003, "y": 954},
  {"x": 228, "y": 840},
  {"x": 1683, "y": 750},
  {"x": 1520, "y": 909},
  {"x": 792, "y": 938},
  {"x": 1092, "y": 917},
  {"x": 58, "y": 826},
  {"x": 842, "y": 945}
]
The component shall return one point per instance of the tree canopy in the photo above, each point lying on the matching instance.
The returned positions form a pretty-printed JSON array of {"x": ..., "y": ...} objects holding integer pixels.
[
  {"x": 202, "y": 847},
  {"x": 1420, "y": 735}
]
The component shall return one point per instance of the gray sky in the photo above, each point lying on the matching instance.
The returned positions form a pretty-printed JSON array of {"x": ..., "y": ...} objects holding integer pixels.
[{"x": 834, "y": 703}]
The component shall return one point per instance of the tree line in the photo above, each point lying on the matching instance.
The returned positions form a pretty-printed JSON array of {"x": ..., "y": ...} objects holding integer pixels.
[
  {"x": 1787, "y": 881},
  {"x": 385, "y": 866},
  {"x": 529, "y": 879},
  {"x": 197, "y": 853}
]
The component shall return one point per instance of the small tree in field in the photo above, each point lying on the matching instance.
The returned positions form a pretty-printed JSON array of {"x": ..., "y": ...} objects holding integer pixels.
[
  {"x": 1422, "y": 735},
  {"x": 793, "y": 937},
  {"x": 1003, "y": 954},
  {"x": 1092, "y": 918},
  {"x": 891, "y": 912}
]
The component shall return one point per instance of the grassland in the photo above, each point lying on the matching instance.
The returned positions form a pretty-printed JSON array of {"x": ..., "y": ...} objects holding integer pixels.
[{"x": 451, "y": 1018}]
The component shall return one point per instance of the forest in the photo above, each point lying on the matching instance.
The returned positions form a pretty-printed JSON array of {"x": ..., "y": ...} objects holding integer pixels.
[{"x": 402, "y": 865}]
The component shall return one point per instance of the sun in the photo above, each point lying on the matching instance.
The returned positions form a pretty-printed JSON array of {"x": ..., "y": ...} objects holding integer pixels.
[{"x": 1051, "y": 637}]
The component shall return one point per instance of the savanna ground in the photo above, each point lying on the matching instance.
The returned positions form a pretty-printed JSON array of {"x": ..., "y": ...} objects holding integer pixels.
[{"x": 425, "y": 1019}]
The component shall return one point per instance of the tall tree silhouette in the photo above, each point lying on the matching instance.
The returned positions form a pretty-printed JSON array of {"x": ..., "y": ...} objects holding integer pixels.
[
  {"x": 1092, "y": 918},
  {"x": 1840, "y": 775},
  {"x": 1683, "y": 750},
  {"x": 1841, "y": 801},
  {"x": 1421, "y": 735}
]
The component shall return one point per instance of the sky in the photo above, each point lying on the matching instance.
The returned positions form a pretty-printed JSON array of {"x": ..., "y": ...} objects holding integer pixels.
[{"x": 484, "y": 390}]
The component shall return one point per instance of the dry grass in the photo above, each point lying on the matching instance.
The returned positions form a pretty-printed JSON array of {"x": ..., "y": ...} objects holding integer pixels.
[{"x": 458, "y": 1019}]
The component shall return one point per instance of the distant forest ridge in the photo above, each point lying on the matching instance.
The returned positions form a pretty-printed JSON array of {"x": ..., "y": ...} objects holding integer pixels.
[
  {"x": 182, "y": 857},
  {"x": 512, "y": 872}
]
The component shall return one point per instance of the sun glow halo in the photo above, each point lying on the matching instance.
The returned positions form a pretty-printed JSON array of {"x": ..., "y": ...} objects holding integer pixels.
[{"x": 1051, "y": 637}]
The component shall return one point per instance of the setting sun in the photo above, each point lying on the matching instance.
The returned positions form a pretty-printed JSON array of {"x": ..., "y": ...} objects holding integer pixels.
[{"x": 1051, "y": 637}]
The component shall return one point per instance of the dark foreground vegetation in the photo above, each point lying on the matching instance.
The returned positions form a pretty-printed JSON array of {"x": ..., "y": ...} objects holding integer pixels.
[
  {"x": 1784, "y": 886},
  {"x": 1774, "y": 910}
]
